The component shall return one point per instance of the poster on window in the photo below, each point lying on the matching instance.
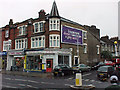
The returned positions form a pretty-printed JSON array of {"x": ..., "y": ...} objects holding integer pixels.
[{"x": 71, "y": 35}]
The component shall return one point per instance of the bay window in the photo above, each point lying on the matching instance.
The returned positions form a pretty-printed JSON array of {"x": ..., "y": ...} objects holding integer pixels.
[
  {"x": 54, "y": 24},
  {"x": 54, "y": 40}
]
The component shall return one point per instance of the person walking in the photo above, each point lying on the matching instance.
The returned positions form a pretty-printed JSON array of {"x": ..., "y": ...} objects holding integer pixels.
[{"x": 114, "y": 83}]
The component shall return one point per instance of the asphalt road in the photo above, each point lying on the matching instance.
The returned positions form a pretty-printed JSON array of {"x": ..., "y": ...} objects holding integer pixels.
[{"x": 51, "y": 82}]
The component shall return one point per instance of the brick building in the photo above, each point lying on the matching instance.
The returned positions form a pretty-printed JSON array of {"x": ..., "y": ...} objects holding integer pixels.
[{"x": 42, "y": 43}]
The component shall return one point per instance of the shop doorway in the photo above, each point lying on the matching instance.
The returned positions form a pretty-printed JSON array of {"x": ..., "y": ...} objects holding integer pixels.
[{"x": 49, "y": 65}]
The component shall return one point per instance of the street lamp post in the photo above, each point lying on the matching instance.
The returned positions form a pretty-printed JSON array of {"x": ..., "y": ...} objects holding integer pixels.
[{"x": 115, "y": 48}]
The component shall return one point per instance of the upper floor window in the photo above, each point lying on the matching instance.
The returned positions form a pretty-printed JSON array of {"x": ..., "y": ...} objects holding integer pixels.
[
  {"x": 38, "y": 27},
  {"x": 6, "y": 33},
  {"x": 84, "y": 35},
  {"x": 21, "y": 43},
  {"x": 7, "y": 45},
  {"x": 85, "y": 48},
  {"x": 54, "y": 40},
  {"x": 37, "y": 42},
  {"x": 98, "y": 49},
  {"x": 54, "y": 24},
  {"x": 22, "y": 30}
]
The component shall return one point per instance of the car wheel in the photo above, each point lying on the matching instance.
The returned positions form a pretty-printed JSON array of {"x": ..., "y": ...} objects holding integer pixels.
[
  {"x": 62, "y": 74},
  {"x": 108, "y": 75},
  {"x": 79, "y": 71}
]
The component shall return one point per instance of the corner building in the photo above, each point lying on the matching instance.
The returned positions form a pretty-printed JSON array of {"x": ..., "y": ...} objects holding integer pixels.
[{"x": 42, "y": 43}]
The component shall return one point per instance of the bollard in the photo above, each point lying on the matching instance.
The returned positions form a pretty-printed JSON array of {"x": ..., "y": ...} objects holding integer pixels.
[{"x": 78, "y": 79}]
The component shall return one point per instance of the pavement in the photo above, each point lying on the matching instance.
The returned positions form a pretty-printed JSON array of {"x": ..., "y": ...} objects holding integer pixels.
[{"x": 29, "y": 74}]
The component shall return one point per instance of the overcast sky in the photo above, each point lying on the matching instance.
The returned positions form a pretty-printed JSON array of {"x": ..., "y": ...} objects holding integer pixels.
[{"x": 101, "y": 13}]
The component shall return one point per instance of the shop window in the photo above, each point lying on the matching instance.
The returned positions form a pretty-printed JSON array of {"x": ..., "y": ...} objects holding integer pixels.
[
  {"x": 63, "y": 59},
  {"x": 34, "y": 63}
]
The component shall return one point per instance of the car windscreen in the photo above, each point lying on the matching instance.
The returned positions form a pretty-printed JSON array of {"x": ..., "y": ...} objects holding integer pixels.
[{"x": 103, "y": 69}]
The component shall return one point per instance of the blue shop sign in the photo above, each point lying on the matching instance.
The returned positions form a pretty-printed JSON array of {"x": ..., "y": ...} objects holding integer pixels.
[{"x": 3, "y": 53}]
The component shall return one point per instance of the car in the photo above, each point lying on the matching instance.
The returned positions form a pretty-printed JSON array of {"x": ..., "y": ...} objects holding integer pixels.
[
  {"x": 104, "y": 72},
  {"x": 62, "y": 70},
  {"x": 109, "y": 63},
  {"x": 81, "y": 68},
  {"x": 98, "y": 65}
]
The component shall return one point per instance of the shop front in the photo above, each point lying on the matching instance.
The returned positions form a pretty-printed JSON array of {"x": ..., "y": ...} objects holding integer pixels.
[
  {"x": 15, "y": 60},
  {"x": 47, "y": 59}
]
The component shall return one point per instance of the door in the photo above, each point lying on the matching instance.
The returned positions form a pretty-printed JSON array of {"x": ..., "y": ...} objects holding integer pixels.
[{"x": 49, "y": 65}]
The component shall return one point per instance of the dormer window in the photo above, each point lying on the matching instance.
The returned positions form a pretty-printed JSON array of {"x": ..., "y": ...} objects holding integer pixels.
[
  {"x": 54, "y": 24},
  {"x": 22, "y": 30},
  {"x": 38, "y": 27}
]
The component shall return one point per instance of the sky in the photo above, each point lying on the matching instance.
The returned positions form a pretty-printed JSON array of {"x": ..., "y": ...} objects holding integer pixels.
[{"x": 101, "y": 13}]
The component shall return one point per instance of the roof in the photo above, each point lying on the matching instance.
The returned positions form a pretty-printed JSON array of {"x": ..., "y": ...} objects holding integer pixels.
[{"x": 54, "y": 10}]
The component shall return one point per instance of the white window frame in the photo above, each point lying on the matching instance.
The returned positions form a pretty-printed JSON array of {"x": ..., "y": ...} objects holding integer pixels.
[
  {"x": 78, "y": 59},
  {"x": 57, "y": 40},
  {"x": 20, "y": 44},
  {"x": 21, "y": 29},
  {"x": 6, "y": 33},
  {"x": 7, "y": 45},
  {"x": 84, "y": 48},
  {"x": 40, "y": 26},
  {"x": 84, "y": 34},
  {"x": 52, "y": 23},
  {"x": 98, "y": 49},
  {"x": 38, "y": 39}
]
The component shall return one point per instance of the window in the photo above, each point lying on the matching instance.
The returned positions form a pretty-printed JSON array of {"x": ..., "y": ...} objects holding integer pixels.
[
  {"x": 6, "y": 33},
  {"x": 37, "y": 42},
  {"x": 54, "y": 40},
  {"x": 84, "y": 35},
  {"x": 54, "y": 24},
  {"x": 7, "y": 45},
  {"x": 98, "y": 49},
  {"x": 38, "y": 27},
  {"x": 21, "y": 43},
  {"x": 85, "y": 48},
  {"x": 22, "y": 30}
]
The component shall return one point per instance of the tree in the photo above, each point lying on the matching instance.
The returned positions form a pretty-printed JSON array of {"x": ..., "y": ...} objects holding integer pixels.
[{"x": 106, "y": 55}]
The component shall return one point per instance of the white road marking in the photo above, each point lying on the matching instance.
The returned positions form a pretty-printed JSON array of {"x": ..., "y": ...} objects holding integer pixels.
[
  {"x": 86, "y": 79},
  {"x": 86, "y": 74},
  {"x": 92, "y": 80},
  {"x": 67, "y": 84},
  {"x": 33, "y": 81},
  {"x": 8, "y": 86},
  {"x": 47, "y": 83},
  {"x": 20, "y": 80},
  {"x": 21, "y": 84},
  {"x": 31, "y": 86},
  {"x": 8, "y": 78}
]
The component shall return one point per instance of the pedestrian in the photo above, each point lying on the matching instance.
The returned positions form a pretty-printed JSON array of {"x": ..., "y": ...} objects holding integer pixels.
[{"x": 114, "y": 83}]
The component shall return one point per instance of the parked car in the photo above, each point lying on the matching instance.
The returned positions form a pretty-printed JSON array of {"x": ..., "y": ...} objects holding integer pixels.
[
  {"x": 104, "y": 72},
  {"x": 109, "y": 63},
  {"x": 62, "y": 70},
  {"x": 98, "y": 65},
  {"x": 81, "y": 68}
]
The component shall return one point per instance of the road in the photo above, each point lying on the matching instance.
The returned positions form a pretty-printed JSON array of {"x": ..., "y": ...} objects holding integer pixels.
[{"x": 15, "y": 81}]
